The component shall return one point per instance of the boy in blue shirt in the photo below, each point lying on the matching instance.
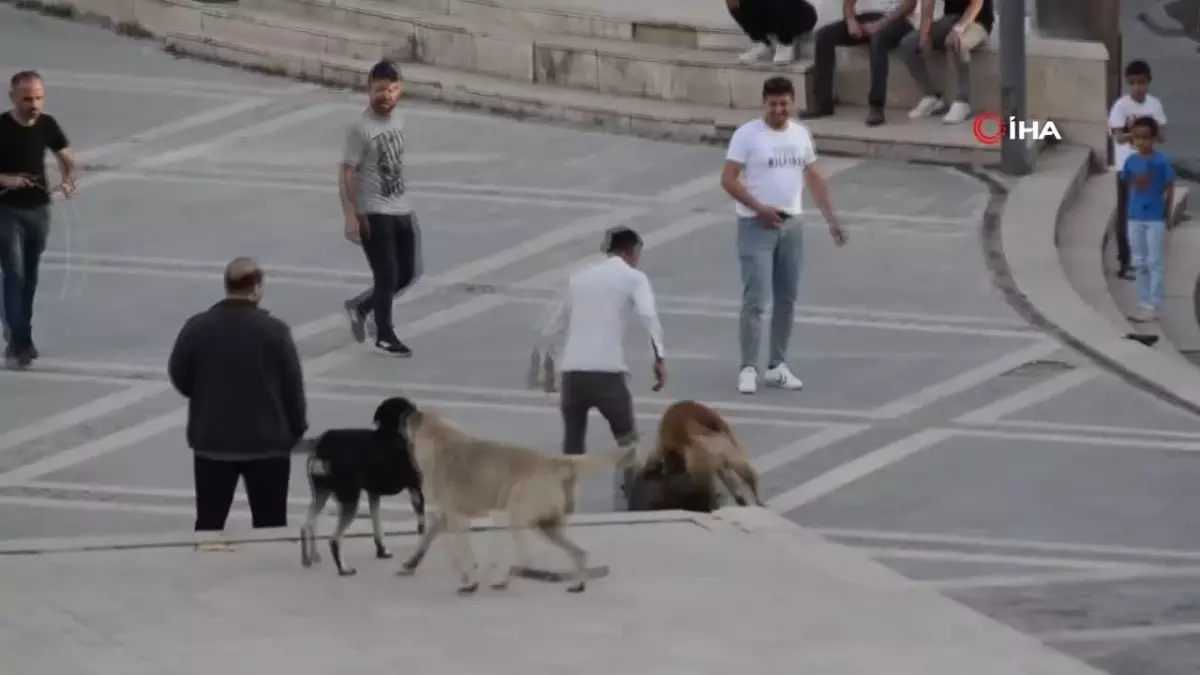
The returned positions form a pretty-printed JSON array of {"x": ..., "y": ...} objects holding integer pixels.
[{"x": 1151, "y": 181}]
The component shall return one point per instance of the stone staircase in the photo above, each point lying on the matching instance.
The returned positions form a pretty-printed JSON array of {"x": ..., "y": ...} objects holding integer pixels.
[{"x": 659, "y": 68}]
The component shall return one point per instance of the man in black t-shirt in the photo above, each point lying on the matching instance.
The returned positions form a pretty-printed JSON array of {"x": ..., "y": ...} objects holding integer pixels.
[
  {"x": 25, "y": 134},
  {"x": 964, "y": 26}
]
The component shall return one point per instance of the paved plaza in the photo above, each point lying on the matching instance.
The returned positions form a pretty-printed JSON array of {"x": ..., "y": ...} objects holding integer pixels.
[{"x": 937, "y": 431}]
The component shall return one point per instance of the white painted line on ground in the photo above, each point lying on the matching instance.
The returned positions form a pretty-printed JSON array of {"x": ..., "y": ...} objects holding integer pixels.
[
  {"x": 64, "y": 377},
  {"x": 1050, "y": 578},
  {"x": 856, "y": 469},
  {"x": 372, "y": 400},
  {"x": 235, "y": 514},
  {"x": 861, "y": 323},
  {"x": 910, "y": 403},
  {"x": 89, "y": 411},
  {"x": 331, "y": 188},
  {"x": 264, "y": 128},
  {"x": 1154, "y": 444},
  {"x": 209, "y": 265},
  {"x": 990, "y": 542},
  {"x": 833, "y": 433},
  {"x": 401, "y": 505},
  {"x": 852, "y": 311},
  {"x": 170, "y": 128},
  {"x": 1096, "y": 429},
  {"x": 1042, "y": 391},
  {"x": 995, "y": 558},
  {"x": 70, "y": 265},
  {"x": 151, "y": 84},
  {"x": 97, "y": 447},
  {"x": 841, "y": 321},
  {"x": 1126, "y": 633}
]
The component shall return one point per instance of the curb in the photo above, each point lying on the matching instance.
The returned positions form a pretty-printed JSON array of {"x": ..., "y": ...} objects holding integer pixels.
[{"x": 1028, "y": 244}]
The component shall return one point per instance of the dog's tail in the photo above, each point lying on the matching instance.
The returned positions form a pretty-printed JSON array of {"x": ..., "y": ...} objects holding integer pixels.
[{"x": 620, "y": 458}]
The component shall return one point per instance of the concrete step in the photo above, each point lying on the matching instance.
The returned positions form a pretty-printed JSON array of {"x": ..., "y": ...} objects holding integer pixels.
[
  {"x": 845, "y": 134},
  {"x": 698, "y": 25},
  {"x": 609, "y": 66}
]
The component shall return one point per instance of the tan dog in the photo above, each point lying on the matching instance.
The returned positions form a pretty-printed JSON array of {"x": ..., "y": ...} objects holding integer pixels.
[
  {"x": 697, "y": 445},
  {"x": 469, "y": 477}
]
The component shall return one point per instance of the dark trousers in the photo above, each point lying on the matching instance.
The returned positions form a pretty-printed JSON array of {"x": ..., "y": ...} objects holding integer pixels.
[
  {"x": 392, "y": 244},
  {"x": 266, "y": 489},
  {"x": 880, "y": 45},
  {"x": 1122, "y": 232},
  {"x": 23, "y": 234},
  {"x": 605, "y": 391},
  {"x": 785, "y": 19}
]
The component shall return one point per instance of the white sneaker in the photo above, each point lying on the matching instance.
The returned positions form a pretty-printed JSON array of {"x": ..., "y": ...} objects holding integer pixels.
[
  {"x": 782, "y": 377},
  {"x": 959, "y": 112},
  {"x": 926, "y": 107},
  {"x": 784, "y": 54},
  {"x": 747, "y": 381},
  {"x": 1144, "y": 314},
  {"x": 758, "y": 52}
]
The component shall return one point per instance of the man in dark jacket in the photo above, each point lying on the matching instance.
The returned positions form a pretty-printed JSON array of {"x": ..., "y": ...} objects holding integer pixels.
[{"x": 240, "y": 371}]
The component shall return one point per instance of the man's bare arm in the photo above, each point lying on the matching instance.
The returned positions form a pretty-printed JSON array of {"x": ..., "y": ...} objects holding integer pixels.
[
  {"x": 348, "y": 189},
  {"x": 820, "y": 191},
  {"x": 731, "y": 183},
  {"x": 66, "y": 169}
]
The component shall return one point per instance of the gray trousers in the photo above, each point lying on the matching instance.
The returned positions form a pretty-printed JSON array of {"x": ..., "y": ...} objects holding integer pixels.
[
  {"x": 771, "y": 260},
  {"x": 910, "y": 52},
  {"x": 607, "y": 392}
]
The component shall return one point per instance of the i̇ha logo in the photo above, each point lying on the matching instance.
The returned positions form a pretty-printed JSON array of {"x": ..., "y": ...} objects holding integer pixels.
[{"x": 990, "y": 128}]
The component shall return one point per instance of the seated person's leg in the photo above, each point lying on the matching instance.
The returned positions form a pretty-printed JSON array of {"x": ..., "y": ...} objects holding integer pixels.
[
  {"x": 969, "y": 40},
  {"x": 825, "y": 44},
  {"x": 749, "y": 17},
  {"x": 882, "y": 43},
  {"x": 917, "y": 61}
]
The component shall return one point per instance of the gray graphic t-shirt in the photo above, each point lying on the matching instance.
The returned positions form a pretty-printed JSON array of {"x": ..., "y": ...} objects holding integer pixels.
[{"x": 376, "y": 147}]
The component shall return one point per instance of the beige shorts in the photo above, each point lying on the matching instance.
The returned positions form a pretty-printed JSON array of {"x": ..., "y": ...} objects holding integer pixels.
[{"x": 974, "y": 36}]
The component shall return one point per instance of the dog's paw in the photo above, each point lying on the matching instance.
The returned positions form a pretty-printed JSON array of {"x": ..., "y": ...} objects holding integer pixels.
[
  {"x": 347, "y": 572},
  {"x": 468, "y": 589},
  {"x": 578, "y": 587}
]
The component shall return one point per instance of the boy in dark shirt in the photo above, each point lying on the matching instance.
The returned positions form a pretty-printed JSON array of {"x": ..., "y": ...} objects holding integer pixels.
[
  {"x": 1151, "y": 181},
  {"x": 25, "y": 134}
]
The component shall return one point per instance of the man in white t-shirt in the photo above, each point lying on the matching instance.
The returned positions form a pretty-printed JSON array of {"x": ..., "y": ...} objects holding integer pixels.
[
  {"x": 769, "y": 162},
  {"x": 1137, "y": 103}
]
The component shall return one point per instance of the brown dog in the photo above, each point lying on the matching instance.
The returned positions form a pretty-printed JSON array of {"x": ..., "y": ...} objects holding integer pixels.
[{"x": 694, "y": 451}]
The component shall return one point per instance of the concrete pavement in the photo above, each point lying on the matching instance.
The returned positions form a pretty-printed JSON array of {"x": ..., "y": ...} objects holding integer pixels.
[{"x": 937, "y": 433}]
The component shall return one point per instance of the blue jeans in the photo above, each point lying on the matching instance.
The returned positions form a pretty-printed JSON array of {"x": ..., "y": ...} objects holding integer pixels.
[
  {"x": 1147, "y": 240},
  {"x": 23, "y": 234},
  {"x": 770, "y": 257}
]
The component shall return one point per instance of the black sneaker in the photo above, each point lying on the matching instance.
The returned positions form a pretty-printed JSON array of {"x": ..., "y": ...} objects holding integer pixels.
[
  {"x": 393, "y": 347},
  {"x": 358, "y": 320}
]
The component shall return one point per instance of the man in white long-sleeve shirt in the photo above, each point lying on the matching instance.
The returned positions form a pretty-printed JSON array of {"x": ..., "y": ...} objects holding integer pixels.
[{"x": 591, "y": 316}]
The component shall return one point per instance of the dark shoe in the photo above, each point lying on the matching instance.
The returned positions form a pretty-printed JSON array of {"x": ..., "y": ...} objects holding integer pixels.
[
  {"x": 1126, "y": 273},
  {"x": 33, "y": 352},
  {"x": 357, "y": 319},
  {"x": 875, "y": 117},
  {"x": 25, "y": 357},
  {"x": 393, "y": 347}
]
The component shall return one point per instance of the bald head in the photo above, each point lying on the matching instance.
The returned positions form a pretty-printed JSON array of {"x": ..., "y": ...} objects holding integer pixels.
[{"x": 243, "y": 277}]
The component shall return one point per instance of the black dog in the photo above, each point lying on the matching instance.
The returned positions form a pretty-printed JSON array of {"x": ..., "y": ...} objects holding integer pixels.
[
  {"x": 347, "y": 462},
  {"x": 667, "y": 486}
]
